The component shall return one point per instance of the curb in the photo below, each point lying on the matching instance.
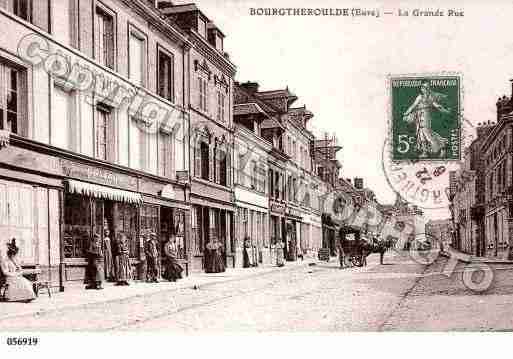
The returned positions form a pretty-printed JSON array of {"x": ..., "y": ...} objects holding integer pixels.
[
  {"x": 476, "y": 259},
  {"x": 188, "y": 286}
]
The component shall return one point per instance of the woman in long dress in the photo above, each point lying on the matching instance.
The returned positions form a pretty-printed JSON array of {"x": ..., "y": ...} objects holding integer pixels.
[
  {"x": 247, "y": 255},
  {"x": 214, "y": 262},
  {"x": 110, "y": 273},
  {"x": 172, "y": 269},
  {"x": 94, "y": 271},
  {"x": 280, "y": 262},
  {"x": 19, "y": 289},
  {"x": 122, "y": 259},
  {"x": 419, "y": 113}
]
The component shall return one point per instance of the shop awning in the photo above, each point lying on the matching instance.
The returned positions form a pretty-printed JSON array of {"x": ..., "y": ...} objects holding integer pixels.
[{"x": 94, "y": 190}]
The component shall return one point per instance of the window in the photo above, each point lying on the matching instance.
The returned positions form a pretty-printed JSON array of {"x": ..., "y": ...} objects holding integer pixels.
[
  {"x": 102, "y": 126},
  {"x": 202, "y": 83},
  {"x": 220, "y": 106},
  {"x": 204, "y": 158},
  {"x": 63, "y": 119},
  {"x": 223, "y": 164},
  {"x": 12, "y": 98},
  {"x": 136, "y": 58},
  {"x": 36, "y": 12},
  {"x": 202, "y": 27},
  {"x": 104, "y": 37},
  {"x": 77, "y": 226},
  {"x": 166, "y": 155},
  {"x": 254, "y": 175},
  {"x": 165, "y": 76}
]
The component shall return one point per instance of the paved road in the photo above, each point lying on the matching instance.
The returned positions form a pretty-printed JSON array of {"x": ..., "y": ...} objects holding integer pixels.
[{"x": 401, "y": 295}]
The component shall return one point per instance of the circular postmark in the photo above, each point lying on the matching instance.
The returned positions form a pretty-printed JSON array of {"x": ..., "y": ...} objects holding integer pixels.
[{"x": 424, "y": 184}]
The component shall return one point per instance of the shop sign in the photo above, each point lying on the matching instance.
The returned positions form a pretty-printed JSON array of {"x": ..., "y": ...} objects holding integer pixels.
[
  {"x": 277, "y": 208},
  {"x": 294, "y": 212},
  {"x": 182, "y": 176},
  {"x": 168, "y": 192},
  {"x": 98, "y": 175}
]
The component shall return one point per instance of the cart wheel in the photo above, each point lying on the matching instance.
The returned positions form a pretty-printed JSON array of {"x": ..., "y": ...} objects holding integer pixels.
[{"x": 357, "y": 261}]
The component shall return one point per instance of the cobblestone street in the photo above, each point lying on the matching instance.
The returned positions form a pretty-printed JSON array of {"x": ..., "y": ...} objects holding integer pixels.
[{"x": 400, "y": 295}]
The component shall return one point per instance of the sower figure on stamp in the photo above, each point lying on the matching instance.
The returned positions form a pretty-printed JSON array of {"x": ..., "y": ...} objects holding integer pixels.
[
  {"x": 152, "y": 257},
  {"x": 94, "y": 270},
  {"x": 419, "y": 113}
]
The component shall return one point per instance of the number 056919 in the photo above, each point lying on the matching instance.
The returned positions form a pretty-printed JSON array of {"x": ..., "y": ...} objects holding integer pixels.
[{"x": 22, "y": 341}]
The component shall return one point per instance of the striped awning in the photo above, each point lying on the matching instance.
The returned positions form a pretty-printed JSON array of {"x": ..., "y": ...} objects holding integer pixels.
[{"x": 97, "y": 191}]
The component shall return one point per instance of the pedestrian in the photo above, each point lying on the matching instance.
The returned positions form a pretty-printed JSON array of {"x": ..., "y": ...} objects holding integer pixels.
[
  {"x": 247, "y": 254},
  {"x": 341, "y": 255},
  {"x": 110, "y": 272},
  {"x": 19, "y": 289},
  {"x": 152, "y": 257},
  {"x": 94, "y": 270},
  {"x": 122, "y": 251},
  {"x": 172, "y": 269},
  {"x": 279, "y": 254}
]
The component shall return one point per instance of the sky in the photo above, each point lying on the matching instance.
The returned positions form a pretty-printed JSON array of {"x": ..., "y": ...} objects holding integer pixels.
[{"x": 338, "y": 66}]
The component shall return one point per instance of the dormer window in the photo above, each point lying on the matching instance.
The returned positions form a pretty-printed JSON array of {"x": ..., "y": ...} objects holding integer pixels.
[{"x": 202, "y": 27}]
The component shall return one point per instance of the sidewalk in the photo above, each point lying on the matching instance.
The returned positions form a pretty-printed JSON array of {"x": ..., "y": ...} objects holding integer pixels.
[
  {"x": 76, "y": 296},
  {"x": 467, "y": 258}
]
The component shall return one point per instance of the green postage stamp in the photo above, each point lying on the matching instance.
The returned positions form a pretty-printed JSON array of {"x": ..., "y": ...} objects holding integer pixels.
[{"x": 426, "y": 120}]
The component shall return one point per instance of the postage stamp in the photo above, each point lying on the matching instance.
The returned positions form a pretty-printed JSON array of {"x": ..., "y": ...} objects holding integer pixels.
[{"x": 426, "y": 118}]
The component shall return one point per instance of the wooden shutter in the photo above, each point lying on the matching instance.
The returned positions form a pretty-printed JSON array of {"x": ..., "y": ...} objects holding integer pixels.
[
  {"x": 228, "y": 169},
  {"x": 197, "y": 159},
  {"x": 40, "y": 14}
]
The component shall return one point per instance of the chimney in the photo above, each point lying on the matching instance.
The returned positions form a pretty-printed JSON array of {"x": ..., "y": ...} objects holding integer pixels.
[
  {"x": 164, "y": 4},
  {"x": 250, "y": 86},
  {"x": 358, "y": 183}
]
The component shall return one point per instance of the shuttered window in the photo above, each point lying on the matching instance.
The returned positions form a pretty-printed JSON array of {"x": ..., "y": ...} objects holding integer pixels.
[
  {"x": 220, "y": 106},
  {"x": 104, "y": 37},
  {"x": 63, "y": 120},
  {"x": 104, "y": 139},
  {"x": 203, "y": 93},
  {"x": 136, "y": 59},
  {"x": 166, "y": 155}
]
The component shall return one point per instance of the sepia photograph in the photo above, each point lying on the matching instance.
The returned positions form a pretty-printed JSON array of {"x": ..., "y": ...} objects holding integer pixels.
[{"x": 242, "y": 167}]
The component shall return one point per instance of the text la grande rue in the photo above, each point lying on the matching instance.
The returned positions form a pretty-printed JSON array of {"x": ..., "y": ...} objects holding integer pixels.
[{"x": 431, "y": 12}]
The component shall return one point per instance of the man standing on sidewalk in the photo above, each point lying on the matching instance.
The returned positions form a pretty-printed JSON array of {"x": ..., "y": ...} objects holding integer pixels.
[{"x": 341, "y": 254}]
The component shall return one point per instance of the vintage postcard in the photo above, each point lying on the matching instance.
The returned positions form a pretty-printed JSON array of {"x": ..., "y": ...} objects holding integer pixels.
[{"x": 176, "y": 167}]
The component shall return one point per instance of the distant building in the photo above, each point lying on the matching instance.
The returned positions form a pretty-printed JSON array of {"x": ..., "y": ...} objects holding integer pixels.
[
  {"x": 497, "y": 157},
  {"x": 467, "y": 197},
  {"x": 439, "y": 233}
]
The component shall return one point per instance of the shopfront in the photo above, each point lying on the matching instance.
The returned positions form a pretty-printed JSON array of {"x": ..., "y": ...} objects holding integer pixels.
[
  {"x": 277, "y": 226},
  {"x": 311, "y": 235},
  {"x": 30, "y": 196},
  {"x": 212, "y": 226},
  {"x": 293, "y": 237},
  {"x": 252, "y": 222},
  {"x": 136, "y": 207}
]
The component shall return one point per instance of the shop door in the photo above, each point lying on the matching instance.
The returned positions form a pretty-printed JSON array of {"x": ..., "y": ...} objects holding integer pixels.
[{"x": 17, "y": 218}]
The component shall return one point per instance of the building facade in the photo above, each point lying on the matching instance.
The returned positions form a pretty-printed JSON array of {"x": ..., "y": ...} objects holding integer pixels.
[
  {"x": 468, "y": 197},
  {"x": 95, "y": 120},
  {"x": 210, "y": 79},
  {"x": 497, "y": 156},
  {"x": 251, "y": 183}
]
